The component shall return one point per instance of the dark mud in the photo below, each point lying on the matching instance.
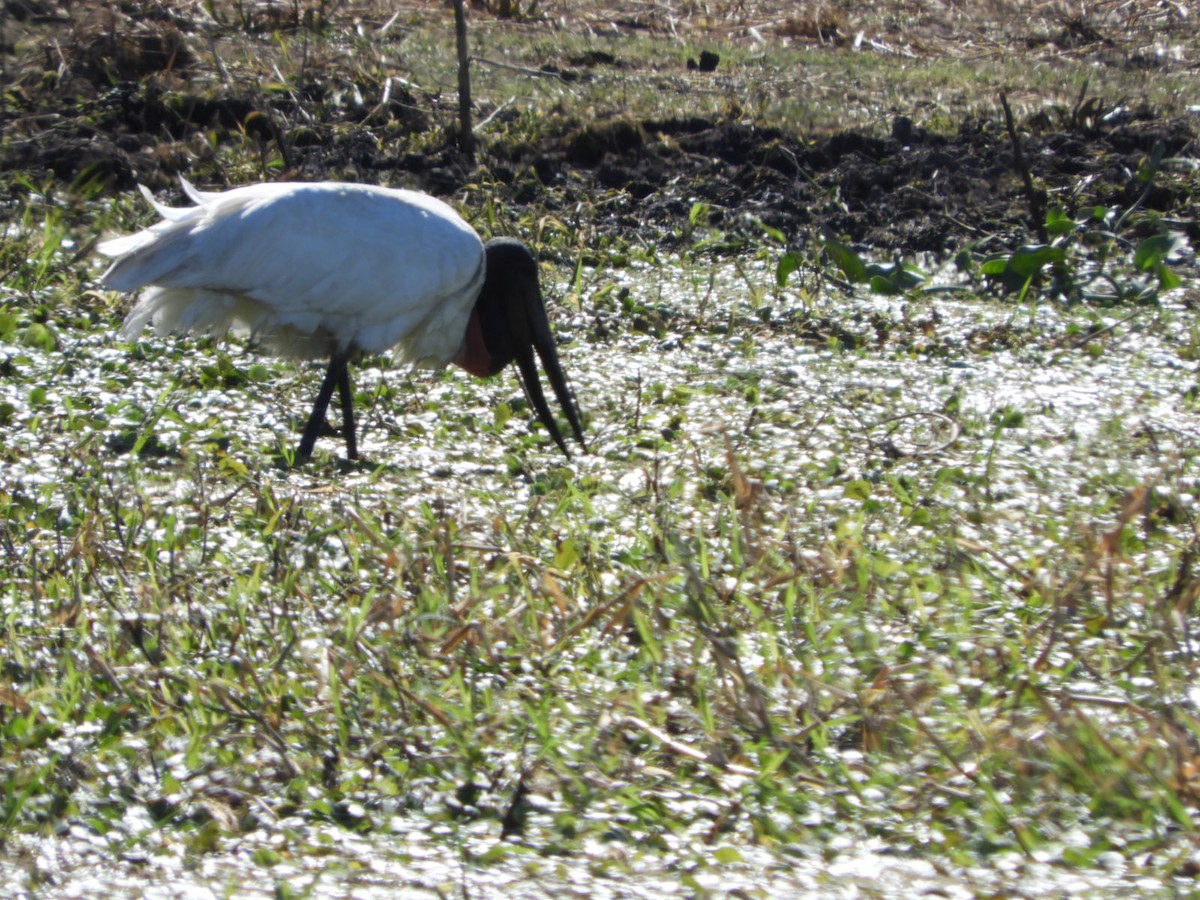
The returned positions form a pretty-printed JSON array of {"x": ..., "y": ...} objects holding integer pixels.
[
  {"x": 123, "y": 115},
  {"x": 912, "y": 191}
]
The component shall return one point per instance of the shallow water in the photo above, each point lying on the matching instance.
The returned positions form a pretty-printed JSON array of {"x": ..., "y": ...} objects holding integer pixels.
[
  {"x": 405, "y": 864},
  {"x": 1043, "y": 427}
]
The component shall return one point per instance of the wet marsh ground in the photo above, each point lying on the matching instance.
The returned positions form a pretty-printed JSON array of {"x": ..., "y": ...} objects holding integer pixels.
[{"x": 869, "y": 586}]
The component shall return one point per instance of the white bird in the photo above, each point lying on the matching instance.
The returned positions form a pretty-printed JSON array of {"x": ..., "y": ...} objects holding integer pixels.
[{"x": 335, "y": 270}]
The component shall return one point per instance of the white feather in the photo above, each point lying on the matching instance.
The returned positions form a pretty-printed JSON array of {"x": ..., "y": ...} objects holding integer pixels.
[{"x": 309, "y": 268}]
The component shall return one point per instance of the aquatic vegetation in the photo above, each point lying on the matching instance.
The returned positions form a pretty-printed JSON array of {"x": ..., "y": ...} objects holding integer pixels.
[
  {"x": 879, "y": 575},
  {"x": 896, "y": 568}
]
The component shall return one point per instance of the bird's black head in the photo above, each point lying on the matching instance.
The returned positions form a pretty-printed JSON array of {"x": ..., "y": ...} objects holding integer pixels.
[{"x": 512, "y": 319}]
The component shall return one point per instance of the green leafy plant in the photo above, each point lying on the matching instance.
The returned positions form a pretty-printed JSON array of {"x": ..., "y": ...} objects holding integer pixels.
[
  {"x": 882, "y": 278},
  {"x": 1094, "y": 256}
]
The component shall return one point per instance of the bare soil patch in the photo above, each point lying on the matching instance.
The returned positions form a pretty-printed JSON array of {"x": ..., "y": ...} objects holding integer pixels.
[{"x": 123, "y": 94}]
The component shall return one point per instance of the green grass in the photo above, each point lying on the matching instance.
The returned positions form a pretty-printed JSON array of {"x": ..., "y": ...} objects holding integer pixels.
[
  {"x": 739, "y": 624},
  {"x": 774, "y": 618}
]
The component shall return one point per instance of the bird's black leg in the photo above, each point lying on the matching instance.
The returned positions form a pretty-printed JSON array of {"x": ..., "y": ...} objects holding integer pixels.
[
  {"x": 334, "y": 376},
  {"x": 346, "y": 392}
]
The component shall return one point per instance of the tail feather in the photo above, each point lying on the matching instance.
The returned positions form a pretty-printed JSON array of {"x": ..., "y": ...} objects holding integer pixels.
[
  {"x": 127, "y": 244},
  {"x": 146, "y": 257},
  {"x": 181, "y": 309},
  {"x": 152, "y": 254},
  {"x": 170, "y": 213},
  {"x": 199, "y": 197}
]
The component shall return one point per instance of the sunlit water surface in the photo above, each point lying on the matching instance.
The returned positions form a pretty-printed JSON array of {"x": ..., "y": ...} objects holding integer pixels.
[{"x": 860, "y": 410}]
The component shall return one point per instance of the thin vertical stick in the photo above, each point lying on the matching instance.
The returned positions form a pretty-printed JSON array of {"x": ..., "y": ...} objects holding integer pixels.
[
  {"x": 1035, "y": 198},
  {"x": 466, "y": 137}
]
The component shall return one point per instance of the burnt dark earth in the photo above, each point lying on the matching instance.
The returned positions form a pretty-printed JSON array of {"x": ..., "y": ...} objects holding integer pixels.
[
  {"x": 934, "y": 193},
  {"x": 907, "y": 190}
]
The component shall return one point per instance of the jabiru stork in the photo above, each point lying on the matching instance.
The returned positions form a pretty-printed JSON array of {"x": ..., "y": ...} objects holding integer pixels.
[{"x": 334, "y": 270}]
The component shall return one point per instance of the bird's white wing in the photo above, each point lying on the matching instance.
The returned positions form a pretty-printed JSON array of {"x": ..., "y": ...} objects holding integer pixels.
[{"x": 312, "y": 268}]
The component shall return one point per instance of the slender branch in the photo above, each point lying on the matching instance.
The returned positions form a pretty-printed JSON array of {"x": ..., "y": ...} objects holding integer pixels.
[
  {"x": 1036, "y": 198},
  {"x": 524, "y": 70},
  {"x": 466, "y": 134},
  {"x": 495, "y": 112}
]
